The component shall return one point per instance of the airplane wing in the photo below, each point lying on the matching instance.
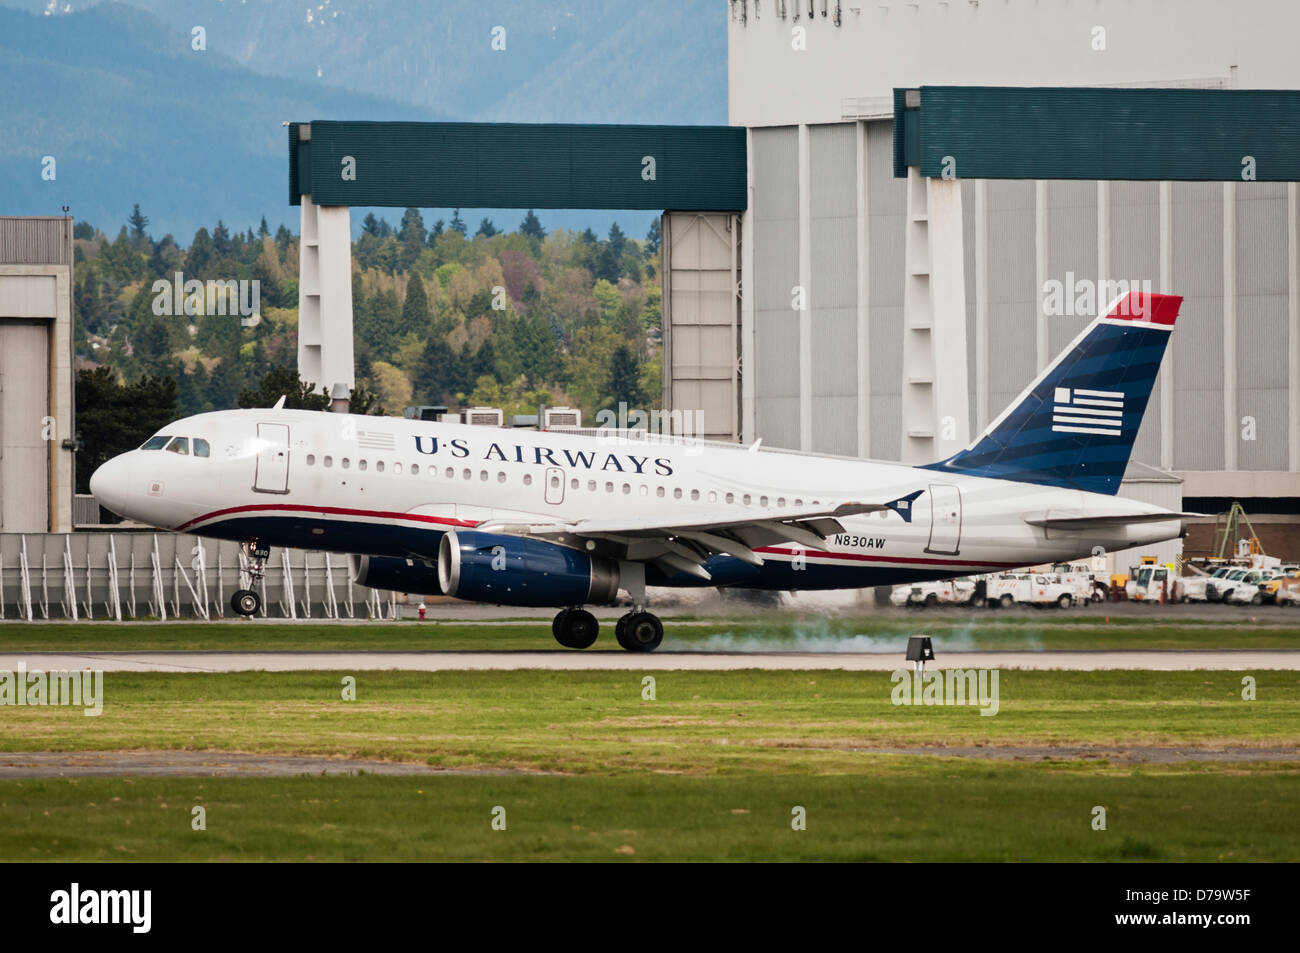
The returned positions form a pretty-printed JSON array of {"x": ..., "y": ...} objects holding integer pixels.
[{"x": 685, "y": 546}]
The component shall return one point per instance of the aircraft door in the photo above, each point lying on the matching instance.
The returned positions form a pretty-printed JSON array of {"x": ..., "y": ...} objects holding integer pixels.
[
  {"x": 272, "y": 459},
  {"x": 945, "y": 519},
  {"x": 554, "y": 485}
]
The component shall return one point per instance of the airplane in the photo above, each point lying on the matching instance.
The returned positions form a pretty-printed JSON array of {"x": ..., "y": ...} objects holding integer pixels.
[{"x": 563, "y": 521}]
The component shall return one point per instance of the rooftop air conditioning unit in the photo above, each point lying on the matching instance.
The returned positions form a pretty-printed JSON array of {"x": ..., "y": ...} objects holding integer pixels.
[
  {"x": 562, "y": 417},
  {"x": 485, "y": 416}
]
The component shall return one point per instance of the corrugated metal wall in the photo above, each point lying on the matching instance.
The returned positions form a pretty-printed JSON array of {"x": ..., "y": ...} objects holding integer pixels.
[
  {"x": 1013, "y": 293},
  {"x": 1198, "y": 344},
  {"x": 775, "y": 368},
  {"x": 1262, "y": 336},
  {"x": 1135, "y": 257},
  {"x": 520, "y": 165},
  {"x": 1071, "y": 249},
  {"x": 35, "y": 241},
  {"x": 886, "y": 214},
  {"x": 834, "y": 221}
]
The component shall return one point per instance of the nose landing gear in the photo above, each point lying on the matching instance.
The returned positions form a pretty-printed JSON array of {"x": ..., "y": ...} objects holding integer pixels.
[{"x": 247, "y": 602}]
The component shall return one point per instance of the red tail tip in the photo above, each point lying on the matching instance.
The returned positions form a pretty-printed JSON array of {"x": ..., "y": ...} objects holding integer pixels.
[{"x": 1146, "y": 307}]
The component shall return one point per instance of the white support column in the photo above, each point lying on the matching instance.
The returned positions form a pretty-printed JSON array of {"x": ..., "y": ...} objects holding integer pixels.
[
  {"x": 864, "y": 295},
  {"x": 1293, "y": 328},
  {"x": 746, "y": 298},
  {"x": 1230, "y": 424},
  {"x": 1167, "y": 365},
  {"x": 325, "y": 355},
  {"x": 935, "y": 403},
  {"x": 805, "y": 283}
]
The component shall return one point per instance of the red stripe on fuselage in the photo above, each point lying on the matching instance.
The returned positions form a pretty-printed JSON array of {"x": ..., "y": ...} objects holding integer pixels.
[
  {"x": 326, "y": 511},
  {"x": 863, "y": 558}
]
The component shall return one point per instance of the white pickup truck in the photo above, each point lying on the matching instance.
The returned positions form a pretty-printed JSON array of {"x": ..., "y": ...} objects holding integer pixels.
[
  {"x": 948, "y": 592},
  {"x": 1036, "y": 589},
  {"x": 1238, "y": 586}
]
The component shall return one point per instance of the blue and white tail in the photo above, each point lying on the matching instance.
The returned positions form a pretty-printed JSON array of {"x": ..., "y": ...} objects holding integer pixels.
[{"x": 1075, "y": 425}]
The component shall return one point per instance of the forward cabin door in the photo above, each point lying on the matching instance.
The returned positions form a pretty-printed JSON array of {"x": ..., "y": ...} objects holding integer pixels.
[
  {"x": 945, "y": 519},
  {"x": 272, "y": 459}
]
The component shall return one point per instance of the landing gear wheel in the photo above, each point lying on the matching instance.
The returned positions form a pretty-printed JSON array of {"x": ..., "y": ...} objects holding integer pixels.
[
  {"x": 640, "y": 632},
  {"x": 575, "y": 628},
  {"x": 245, "y": 602}
]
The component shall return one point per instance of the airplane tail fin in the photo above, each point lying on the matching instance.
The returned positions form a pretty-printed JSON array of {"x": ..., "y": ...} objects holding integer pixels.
[{"x": 1075, "y": 425}]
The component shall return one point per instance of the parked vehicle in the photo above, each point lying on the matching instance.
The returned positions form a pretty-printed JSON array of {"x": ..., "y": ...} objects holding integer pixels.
[
  {"x": 1152, "y": 582},
  {"x": 1217, "y": 590},
  {"x": 946, "y": 592},
  {"x": 1194, "y": 586},
  {"x": 1032, "y": 589},
  {"x": 1250, "y": 588}
]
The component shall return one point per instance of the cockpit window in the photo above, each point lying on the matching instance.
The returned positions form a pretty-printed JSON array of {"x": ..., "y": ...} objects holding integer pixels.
[
  {"x": 201, "y": 448},
  {"x": 155, "y": 443},
  {"x": 179, "y": 445}
]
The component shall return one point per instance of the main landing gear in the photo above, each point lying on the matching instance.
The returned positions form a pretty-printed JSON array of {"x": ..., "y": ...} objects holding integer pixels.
[
  {"x": 638, "y": 631},
  {"x": 247, "y": 602}
]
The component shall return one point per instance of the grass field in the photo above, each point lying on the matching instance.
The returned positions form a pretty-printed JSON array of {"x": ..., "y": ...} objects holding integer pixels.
[
  {"x": 1276, "y": 629},
  {"x": 710, "y": 769}
]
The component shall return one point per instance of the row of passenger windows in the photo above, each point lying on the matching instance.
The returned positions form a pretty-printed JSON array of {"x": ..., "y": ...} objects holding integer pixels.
[
  {"x": 593, "y": 486},
  {"x": 178, "y": 445}
]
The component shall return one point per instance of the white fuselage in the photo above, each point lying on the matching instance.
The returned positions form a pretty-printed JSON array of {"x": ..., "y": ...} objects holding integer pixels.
[{"x": 393, "y": 486}]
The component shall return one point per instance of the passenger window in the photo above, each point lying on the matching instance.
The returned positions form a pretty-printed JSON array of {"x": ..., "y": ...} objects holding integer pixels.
[
  {"x": 644, "y": 489},
  {"x": 329, "y": 461},
  {"x": 609, "y": 488},
  {"x": 731, "y": 498},
  {"x": 762, "y": 501},
  {"x": 659, "y": 491},
  {"x": 713, "y": 496},
  {"x": 415, "y": 469},
  {"x": 798, "y": 502},
  {"x": 468, "y": 474},
  {"x": 311, "y": 459},
  {"x": 483, "y": 475},
  {"x": 201, "y": 448},
  {"x": 379, "y": 466},
  {"x": 780, "y": 501},
  {"x": 397, "y": 468},
  {"x": 695, "y": 494},
  {"x": 451, "y": 474},
  {"x": 573, "y": 484},
  {"x": 591, "y": 485},
  {"x": 361, "y": 464},
  {"x": 179, "y": 445},
  {"x": 745, "y": 499},
  {"x": 501, "y": 477},
  {"x": 528, "y": 479},
  {"x": 155, "y": 443},
  {"x": 677, "y": 493},
  {"x": 627, "y": 488},
  {"x": 345, "y": 463}
]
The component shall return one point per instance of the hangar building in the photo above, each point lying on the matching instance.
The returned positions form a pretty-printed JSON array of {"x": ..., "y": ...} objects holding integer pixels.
[{"x": 813, "y": 81}]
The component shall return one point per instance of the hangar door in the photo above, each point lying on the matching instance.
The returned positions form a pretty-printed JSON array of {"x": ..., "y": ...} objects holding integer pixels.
[
  {"x": 24, "y": 404},
  {"x": 701, "y": 322}
]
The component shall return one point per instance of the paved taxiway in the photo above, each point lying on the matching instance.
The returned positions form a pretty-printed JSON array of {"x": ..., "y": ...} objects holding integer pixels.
[{"x": 1159, "y": 661}]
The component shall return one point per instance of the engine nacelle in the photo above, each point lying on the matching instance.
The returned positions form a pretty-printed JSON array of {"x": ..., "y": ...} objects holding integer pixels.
[
  {"x": 416, "y": 576},
  {"x": 514, "y": 571}
]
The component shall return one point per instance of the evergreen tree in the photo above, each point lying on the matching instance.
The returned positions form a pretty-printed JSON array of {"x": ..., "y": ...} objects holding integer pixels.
[
  {"x": 201, "y": 254},
  {"x": 113, "y": 418},
  {"x": 263, "y": 230},
  {"x": 457, "y": 223},
  {"x": 284, "y": 381},
  {"x": 486, "y": 228},
  {"x": 138, "y": 223},
  {"x": 625, "y": 377},
  {"x": 370, "y": 225},
  {"x": 435, "y": 232},
  {"x": 531, "y": 227},
  {"x": 282, "y": 238},
  {"x": 221, "y": 243},
  {"x": 484, "y": 362},
  {"x": 411, "y": 236},
  {"x": 652, "y": 238},
  {"x": 415, "y": 310}
]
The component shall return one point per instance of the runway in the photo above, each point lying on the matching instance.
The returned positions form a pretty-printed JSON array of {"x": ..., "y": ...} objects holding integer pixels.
[{"x": 1159, "y": 661}]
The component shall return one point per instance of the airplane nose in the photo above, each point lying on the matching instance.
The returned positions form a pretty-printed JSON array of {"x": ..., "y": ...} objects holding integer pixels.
[{"x": 109, "y": 484}]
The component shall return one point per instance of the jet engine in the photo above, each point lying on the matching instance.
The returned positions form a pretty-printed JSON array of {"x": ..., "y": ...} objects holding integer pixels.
[
  {"x": 516, "y": 571},
  {"x": 416, "y": 576}
]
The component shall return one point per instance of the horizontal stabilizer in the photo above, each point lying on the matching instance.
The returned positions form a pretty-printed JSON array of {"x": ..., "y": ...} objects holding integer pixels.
[{"x": 1100, "y": 522}]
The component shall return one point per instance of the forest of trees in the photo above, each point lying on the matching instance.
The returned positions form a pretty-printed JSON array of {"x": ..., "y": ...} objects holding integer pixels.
[{"x": 442, "y": 315}]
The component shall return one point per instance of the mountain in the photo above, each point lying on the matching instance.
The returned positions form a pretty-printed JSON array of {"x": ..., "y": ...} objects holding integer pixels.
[{"x": 131, "y": 113}]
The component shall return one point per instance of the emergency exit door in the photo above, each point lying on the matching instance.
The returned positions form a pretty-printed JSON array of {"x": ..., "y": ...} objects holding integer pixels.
[{"x": 272, "y": 459}]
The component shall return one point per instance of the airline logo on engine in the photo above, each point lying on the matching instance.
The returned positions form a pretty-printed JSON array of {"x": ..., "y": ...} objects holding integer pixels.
[
  {"x": 1088, "y": 411},
  {"x": 545, "y": 456}
]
